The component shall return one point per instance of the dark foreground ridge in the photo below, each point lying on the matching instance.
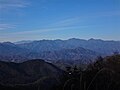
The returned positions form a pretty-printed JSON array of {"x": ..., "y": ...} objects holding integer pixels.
[
  {"x": 103, "y": 74},
  {"x": 30, "y": 75}
]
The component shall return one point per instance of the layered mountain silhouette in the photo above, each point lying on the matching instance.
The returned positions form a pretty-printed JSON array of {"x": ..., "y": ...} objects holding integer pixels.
[
  {"x": 30, "y": 64},
  {"x": 97, "y": 45},
  {"x": 69, "y": 50}
]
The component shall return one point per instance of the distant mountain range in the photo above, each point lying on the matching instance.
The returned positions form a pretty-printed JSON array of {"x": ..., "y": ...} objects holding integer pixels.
[
  {"x": 98, "y": 45},
  {"x": 68, "y": 50}
]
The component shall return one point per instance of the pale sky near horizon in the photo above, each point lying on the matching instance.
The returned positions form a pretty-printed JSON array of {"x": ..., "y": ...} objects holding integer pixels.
[{"x": 59, "y": 19}]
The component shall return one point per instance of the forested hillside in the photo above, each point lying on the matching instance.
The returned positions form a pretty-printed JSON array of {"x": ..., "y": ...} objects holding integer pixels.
[{"x": 103, "y": 74}]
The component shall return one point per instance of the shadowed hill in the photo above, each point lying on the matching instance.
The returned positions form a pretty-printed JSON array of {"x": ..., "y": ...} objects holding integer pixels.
[
  {"x": 103, "y": 74},
  {"x": 32, "y": 72}
]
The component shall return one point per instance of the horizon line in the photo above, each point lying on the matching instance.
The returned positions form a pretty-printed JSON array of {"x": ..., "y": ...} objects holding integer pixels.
[{"x": 61, "y": 39}]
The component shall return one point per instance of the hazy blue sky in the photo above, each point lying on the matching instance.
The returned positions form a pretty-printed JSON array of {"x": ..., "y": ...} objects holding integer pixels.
[{"x": 59, "y": 19}]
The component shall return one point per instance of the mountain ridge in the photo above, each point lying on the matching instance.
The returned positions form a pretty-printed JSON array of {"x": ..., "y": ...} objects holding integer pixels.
[
  {"x": 57, "y": 49},
  {"x": 21, "y": 72}
]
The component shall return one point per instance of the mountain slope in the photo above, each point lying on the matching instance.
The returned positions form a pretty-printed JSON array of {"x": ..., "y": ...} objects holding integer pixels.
[
  {"x": 12, "y": 52},
  {"x": 15, "y": 53},
  {"x": 27, "y": 72},
  {"x": 97, "y": 45},
  {"x": 78, "y": 54},
  {"x": 70, "y": 50}
]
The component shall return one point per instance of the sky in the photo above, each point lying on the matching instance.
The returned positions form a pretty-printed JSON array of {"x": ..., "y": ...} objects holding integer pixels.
[{"x": 59, "y": 19}]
